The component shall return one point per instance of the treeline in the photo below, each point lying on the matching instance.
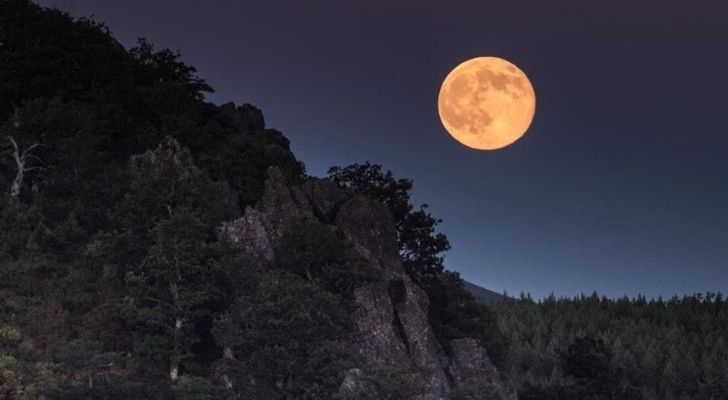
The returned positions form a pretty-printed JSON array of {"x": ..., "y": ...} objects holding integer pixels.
[{"x": 591, "y": 347}]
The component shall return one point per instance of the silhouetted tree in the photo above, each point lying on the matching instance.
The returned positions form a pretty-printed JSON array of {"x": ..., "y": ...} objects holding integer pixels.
[{"x": 420, "y": 245}]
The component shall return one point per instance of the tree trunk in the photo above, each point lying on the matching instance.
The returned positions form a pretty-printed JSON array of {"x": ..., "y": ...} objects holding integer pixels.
[
  {"x": 227, "y": 353},
  {"x": 20, "y": 159},
  {"x": 174, "y": 365},
  {"x": 20, "y": 167},
  {"x": 228, "y": 382}
]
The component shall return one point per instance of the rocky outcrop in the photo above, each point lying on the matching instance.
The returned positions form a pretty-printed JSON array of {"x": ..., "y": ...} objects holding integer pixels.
[
  {"x": 259, "y": 230},
  {"x": 356, "y": 385},
  {"x": 392, "y": 328},
  {"x": 470, "y": 365},
  {"x": 368, "y": 225},
  {"x": 247, "y": 117},
  {"x": 250, "y": 234}
]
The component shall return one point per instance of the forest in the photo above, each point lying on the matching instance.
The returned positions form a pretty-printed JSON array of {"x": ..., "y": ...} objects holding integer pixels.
[
  {"x": 591, "y": 347},
  {"x": 117, "y": 282}
]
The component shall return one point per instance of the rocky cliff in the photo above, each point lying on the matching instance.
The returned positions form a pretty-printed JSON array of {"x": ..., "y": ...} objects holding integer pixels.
[{"x": 392, "y": 330}]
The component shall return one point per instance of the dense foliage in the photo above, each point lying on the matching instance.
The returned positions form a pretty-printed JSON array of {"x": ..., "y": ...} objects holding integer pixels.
[
  {"x": 114, "y": 176},
  {"x": 597, "y": 348}
]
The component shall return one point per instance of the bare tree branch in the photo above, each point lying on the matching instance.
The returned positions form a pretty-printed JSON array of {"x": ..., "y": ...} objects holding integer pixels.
[
  {"x": 30, "y": 148},
  {"x": 20, "y": 165},
  {"x": 20, "y": 158}
]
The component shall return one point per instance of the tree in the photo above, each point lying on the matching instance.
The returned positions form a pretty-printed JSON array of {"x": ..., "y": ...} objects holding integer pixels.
[
  {"x": 420, "y": 246},
  {"x": 588, "y": 361},
  {"x": 283, "y": 339},
  {"x": 309, "y": 249},
  {"x": 170, "y": 214},
  {"x": 313, "y": 251},
  {"x": 45, "y": 53},
  {"x": 21, "y": 158},
  {"x": 161, "y": 181},
  {"x": 168, "y": 292},
  {"x": 18, "y": 223}
]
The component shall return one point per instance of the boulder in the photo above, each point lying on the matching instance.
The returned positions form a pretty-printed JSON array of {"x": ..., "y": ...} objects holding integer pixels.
[{"x": 249, "y": 233}]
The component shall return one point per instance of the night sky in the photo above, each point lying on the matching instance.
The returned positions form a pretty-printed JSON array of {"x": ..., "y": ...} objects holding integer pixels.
[{"x": 621, "y": 184}]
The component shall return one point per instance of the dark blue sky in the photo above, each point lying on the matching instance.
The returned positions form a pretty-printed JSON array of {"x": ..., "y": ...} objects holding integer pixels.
[{"x": 620, "y": 186}]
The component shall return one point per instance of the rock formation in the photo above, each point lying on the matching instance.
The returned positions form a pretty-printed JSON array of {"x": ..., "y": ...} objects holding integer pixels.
[{"x": 392, "y": 328}]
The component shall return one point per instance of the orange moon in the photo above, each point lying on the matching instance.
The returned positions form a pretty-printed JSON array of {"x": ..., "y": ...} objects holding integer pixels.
[{"x": 486, "y": 103}]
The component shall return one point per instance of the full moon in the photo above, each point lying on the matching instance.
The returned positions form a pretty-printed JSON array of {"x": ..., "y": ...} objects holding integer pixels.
[{"x": 486, "y": 103}]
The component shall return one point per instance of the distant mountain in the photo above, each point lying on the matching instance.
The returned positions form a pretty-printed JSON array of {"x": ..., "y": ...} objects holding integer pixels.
[{"x": 483, "y": 295}]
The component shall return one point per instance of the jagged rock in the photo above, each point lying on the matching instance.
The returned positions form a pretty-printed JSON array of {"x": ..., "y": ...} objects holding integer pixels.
[
  {"x": 276, "y": 139},
  {"x": 377, "y": 339},
  {"x": 325, "y": 198},
  {"x": 248, "y": 118},
  {"x": 424, "y": 349},
  {"x": 171, "y": 166},
  {"x": 392, "y": 316},
  {"x": 392, "y": 328},
  {"x": 356, "y": 386},
  {"x": 282, "y": 205},
  {"x": 259, "y": 230},
  {"x": 229, "y": 111},
  {"x": 251, "y": 118},
  {"x": 369, "y": 226},
  {"x": 169, "y": 155},
  {"x": 249, "y": 233},
  {"x": 470, "y": 366}
]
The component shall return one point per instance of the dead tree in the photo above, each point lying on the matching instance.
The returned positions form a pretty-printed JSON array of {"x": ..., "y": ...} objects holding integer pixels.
[{"x": 21, "y": 158}]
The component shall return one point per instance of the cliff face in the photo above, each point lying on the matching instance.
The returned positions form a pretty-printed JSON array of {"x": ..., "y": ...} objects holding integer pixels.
[{"x": 392, "y": 329}]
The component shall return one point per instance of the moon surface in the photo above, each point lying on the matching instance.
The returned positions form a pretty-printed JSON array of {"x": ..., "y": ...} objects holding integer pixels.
[{"x": 486, "y": 103}]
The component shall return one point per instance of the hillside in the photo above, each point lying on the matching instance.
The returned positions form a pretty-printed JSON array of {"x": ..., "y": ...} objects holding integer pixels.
[
  {"x": 482, "y": 294},
  {"x": 157, "y": 246}
]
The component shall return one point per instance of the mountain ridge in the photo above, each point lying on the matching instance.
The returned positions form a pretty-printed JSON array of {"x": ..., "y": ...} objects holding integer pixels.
[{"x": 483, "y": 295}]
